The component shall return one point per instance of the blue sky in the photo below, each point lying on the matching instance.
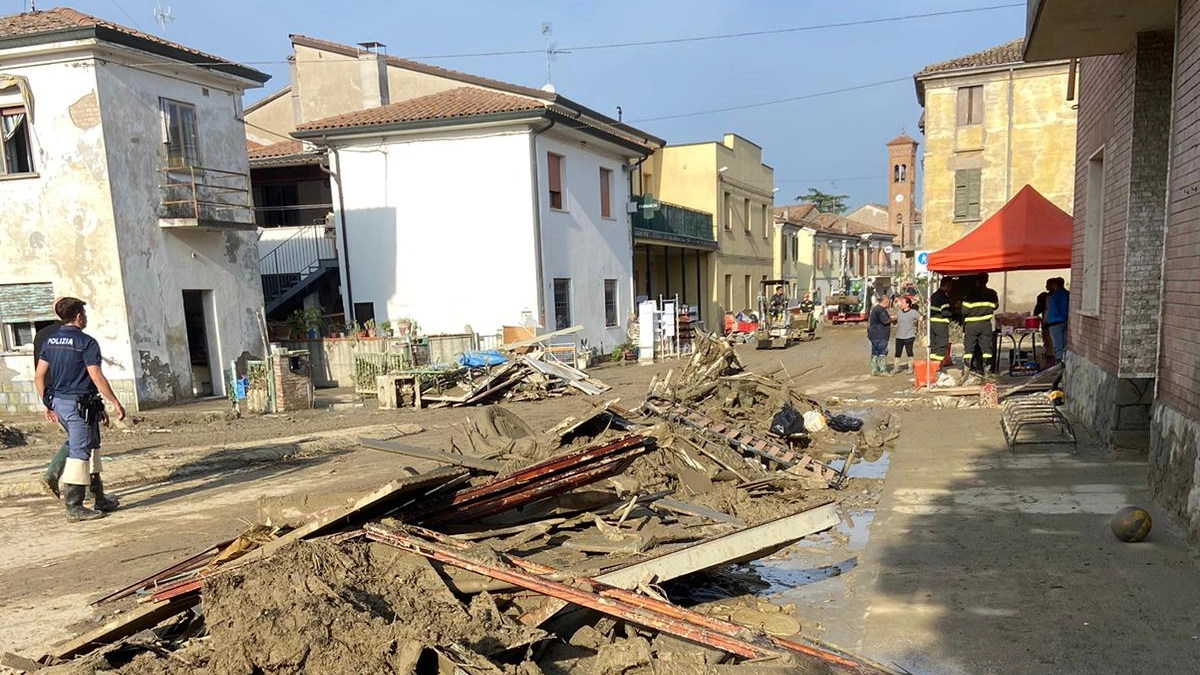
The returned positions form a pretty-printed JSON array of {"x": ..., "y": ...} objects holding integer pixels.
[{"x": 809, "y": 142}]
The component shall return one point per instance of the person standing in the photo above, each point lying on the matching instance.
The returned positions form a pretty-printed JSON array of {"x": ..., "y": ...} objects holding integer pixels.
[
  {"x": 70, "y": 382},
  {"x": 1057, "y": 309},
  {"x": 940, "y": 313},
  {"x": 906, "y": 331},
  {"x": 49, "y": 477},
  {"x": 979, "y": 307},
  {"x": 1039, "y": 310},
  {"x": 879, "y": 328}
]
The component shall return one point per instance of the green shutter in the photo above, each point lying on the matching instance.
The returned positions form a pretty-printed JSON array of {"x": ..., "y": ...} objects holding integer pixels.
[
  {"x": 966, "y": 194},
  {"x": 21, "y": 303},
  {"x": 973, "y": 189},
  {"x": 960, "y": 195}
]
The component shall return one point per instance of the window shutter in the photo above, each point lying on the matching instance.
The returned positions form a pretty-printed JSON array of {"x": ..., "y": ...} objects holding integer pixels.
[
  {"x": 960, "y": 194},
  {"x": 605, "y": 204},
  {"x": 26, "y": 302},
  {"x": 973, "y": 189},
  {"x": 963, "y": 109},
  {"x": 554, "y": 172}
]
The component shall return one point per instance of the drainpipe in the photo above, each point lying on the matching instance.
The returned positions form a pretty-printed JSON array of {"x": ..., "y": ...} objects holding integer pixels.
[
  {"x": 345, "y": 249},
  {"x": 1008, "y": 175},
  {"x": 537, "y": 219}
]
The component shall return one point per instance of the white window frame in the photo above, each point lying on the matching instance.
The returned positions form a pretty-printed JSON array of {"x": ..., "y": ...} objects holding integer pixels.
[
  {"x": 1093, "y": 236},
  {"x": 616, "y": 303}
]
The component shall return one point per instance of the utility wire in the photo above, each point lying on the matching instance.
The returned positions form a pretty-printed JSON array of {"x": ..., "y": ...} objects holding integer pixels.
[
  {"x": 728, "y": 36},
  {"x": 777, "y": 101},
  {"x": 127, "y": 15}
]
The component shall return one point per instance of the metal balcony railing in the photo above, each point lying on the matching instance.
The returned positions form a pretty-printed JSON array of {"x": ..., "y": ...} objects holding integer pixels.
[
  {"x": 291, "y": 261},
  {"x": 673, "y": 222},
  {"x": 214, "y": 196},
  {"x": 291, "y": 216}
]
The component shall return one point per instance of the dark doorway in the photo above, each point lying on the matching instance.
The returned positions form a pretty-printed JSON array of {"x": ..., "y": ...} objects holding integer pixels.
[{"x": 198, "y": 331}]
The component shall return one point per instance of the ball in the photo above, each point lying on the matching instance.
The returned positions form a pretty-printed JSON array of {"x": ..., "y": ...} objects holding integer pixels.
[{"x": 1131, "y": 524}]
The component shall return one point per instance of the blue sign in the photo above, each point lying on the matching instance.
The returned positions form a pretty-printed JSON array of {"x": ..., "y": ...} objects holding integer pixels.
[{"x": 923, "y": 258}]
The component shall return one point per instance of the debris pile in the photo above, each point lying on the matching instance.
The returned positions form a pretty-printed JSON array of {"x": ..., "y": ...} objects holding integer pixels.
[
  {"x": 11, "y": 437},
  {"x": 527, "y": 552}
]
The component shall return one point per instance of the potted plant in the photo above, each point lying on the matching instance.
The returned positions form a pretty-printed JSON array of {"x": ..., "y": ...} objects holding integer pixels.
[
  {"x": 369, "y": 328},
  {"x": 403, "y": 326},
  {"x": 305, "y": 323},
  {"x": 385, "y": 329}
]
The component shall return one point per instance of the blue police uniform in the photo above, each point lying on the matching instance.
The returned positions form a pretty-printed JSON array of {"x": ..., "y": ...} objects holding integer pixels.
[{"x": 73, "y": 397}]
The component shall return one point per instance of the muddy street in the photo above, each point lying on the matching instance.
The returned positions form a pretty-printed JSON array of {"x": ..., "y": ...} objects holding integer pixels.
[{"x": 861, "y": 585}]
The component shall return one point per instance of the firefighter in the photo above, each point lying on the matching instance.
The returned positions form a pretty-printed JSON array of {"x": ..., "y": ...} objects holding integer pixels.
[
  {"x": 940, "y": 314},
  {"x": 978, "y": 307}
]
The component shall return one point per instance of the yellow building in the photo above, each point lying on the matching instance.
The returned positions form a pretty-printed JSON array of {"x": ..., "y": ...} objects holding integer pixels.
[
  {"x": 992, "y": 125},
  {"x": 722, "y": 272}
]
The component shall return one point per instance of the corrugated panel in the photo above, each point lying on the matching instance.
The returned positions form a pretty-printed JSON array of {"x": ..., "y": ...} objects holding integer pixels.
[{"x": 26, "y": 302}]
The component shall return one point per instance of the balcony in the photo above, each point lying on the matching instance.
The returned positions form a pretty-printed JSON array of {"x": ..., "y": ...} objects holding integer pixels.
[
  {"x": 1063, "y": 29},
  {"x": 663, "y": 223},
  {"x": 201, "y": 198}
]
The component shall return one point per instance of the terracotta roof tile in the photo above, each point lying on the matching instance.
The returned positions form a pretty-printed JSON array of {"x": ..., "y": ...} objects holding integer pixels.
[
  {"x": 1009, "y": 52},
  {"x": 65, "y": 18},
  {"x": 281, "y": 149},
  {"x": 829, "y": 223},
  {"x": 447, "y": 105},
  {"x": 903, "y": 139}
]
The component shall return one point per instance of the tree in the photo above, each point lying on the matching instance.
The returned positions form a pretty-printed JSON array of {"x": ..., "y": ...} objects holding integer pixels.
[{"x": 826, "y": 202}]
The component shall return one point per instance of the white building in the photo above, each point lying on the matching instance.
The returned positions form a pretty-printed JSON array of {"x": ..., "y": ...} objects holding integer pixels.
[
  {"x": 124, "y": 183},
  {"x": 478, "y": 207}
]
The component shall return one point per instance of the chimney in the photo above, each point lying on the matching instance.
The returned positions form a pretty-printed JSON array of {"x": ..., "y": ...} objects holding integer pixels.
[{"x": 372, "y": 59}]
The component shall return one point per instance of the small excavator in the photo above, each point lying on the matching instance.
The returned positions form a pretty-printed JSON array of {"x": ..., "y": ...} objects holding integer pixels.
[{"x": 775, "y": 329}]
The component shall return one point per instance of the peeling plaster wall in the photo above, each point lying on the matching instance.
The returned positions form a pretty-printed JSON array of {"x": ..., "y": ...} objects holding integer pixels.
[
  {"x": 159, "y": 264},
  {"x": 57, "y": 227}
]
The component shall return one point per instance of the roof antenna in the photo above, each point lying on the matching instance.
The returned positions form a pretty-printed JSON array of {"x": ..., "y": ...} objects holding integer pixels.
[
  {"x": 618, "y": 113},
  {"x": 162, "y": 15},
  {"x": 552, "y": 52}
]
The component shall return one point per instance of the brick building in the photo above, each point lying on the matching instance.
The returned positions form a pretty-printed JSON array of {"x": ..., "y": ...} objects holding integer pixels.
[{"x": 1133, "y": 368}]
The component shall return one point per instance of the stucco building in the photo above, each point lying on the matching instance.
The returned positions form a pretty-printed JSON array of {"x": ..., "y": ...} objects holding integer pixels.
[
  {"x": 994, "y": 123},
  {"x": 484, "y": 208},
  {"x": 729, "y": 181},
  {"x": 844, "y": 252},
  {"x": 124, "y": 176},
  {"x": 1133, "y": 362}
]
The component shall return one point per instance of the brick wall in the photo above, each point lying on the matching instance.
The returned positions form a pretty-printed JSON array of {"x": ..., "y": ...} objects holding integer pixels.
[
  {"x": 293, "y": 382},
  {"x": 1141, "y": 299},
  {"x": 1179, "y": 363},
  {"x": 1105, "y": 121}
]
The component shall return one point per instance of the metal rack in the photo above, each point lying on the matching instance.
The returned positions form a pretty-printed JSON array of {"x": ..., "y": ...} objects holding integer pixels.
[{"x": 1021, "y": 412}]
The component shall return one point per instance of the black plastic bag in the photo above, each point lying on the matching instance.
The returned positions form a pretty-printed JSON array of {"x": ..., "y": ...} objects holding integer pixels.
[
  {"x": 843, "y": 423},
  {"x": 787, "y": 422}
]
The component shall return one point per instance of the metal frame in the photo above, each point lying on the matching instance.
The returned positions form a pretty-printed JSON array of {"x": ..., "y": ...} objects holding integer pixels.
[{"x": 1034, "y": 410}]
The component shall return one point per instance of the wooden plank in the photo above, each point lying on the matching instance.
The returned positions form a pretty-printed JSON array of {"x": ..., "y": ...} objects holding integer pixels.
[
  {"x": 676, "y": 506},
  {"x": 134, "y": 621},
  {"x": 438, "y": 456},
  {"x": 745, "y": 544},
  {"x": 529, "y": 342}
]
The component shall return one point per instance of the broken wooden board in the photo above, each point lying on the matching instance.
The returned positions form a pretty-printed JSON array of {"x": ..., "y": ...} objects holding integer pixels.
[
  {"x": 572, "y": 376},
  {"x": 529, "y": 342},
  {"x": 438, "y": 456},
  {"x": 676, "y": 506},
  {"x": 745, "y": 544},
  {"x": 139, "y": 619}
]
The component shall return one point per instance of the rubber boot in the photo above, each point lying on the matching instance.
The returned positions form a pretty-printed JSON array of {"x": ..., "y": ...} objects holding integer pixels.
[
  {"x": 49, "y": 477},
  {"x": 878, "y": 366},
  {"x": 76, "y": 511},
  {"x": 102, "y": 503}
]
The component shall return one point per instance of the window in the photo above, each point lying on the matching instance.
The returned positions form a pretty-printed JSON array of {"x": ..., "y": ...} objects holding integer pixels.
[
  {"x": 766, "y": 222},
  {"x": 749, "y": 295},
  {"x": 562, "y": 304},
  {"x": 728, "y": 292},
  {"x": 275, "y": 205},
  {"x": 966, "y": 194},
  {"x": 364, "y": 312},
  {"x": 610, "y": 303},
  {"x": 1093, "y": 235},
  {"x": 728, "y": 211},
  {"x": 647, "y": 182},
  {"x": 554, "y": 180},
  {"x": 783, "y": 247},
  {"x": 746, "y": 214},
  {"x": 14, "y": 130},
  {"x": 180, "y": 136},
  {"x": 25, "y": 309},
  {"x": 970, "y": 105},
  {"x": 796, "y": 247},
  {"x": 605, "y": 193}
]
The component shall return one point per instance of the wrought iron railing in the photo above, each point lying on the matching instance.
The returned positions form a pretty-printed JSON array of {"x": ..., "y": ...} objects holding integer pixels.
[
  {"x": 674, "y": 220},
  {"x": 207, "y": 194},
  {"x": 294, "y": 259},
  {"x": 291, "y": 216}
]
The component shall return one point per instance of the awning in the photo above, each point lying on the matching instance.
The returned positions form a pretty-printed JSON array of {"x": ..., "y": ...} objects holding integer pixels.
[{"x": 1027, "y": 233}]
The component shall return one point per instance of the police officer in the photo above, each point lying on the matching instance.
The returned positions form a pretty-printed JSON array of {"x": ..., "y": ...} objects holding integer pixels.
[
  {"x": 978, "y": 307},
  {"x": 940, "y": 313},
  {"x": 70, "y": 382},
  {"x": 49, "y": 477}
]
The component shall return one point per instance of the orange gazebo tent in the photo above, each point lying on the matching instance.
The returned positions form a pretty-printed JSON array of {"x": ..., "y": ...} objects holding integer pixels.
[{"x": 1027, "y": 233}]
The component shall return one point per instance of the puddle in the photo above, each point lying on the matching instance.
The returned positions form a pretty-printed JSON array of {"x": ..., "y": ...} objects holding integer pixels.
[
  {"x": 815, "y": 574},
  {"x": 875, "y": 469}
]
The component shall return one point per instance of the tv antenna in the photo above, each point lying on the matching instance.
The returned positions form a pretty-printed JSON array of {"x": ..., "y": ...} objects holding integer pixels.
[
  {"x": 162, "y": 15},
  {"x": 552, "y": 52}
]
